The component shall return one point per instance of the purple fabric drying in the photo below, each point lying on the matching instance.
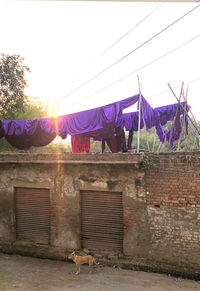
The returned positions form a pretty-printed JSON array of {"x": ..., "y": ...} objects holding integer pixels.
[
  {"x": 148, "y": 114},
  {"x": 130, "y": 120},
  {"x": 155, "y": 117},
  {"x": 48, "y": 125},
  {"x": 19, "y": 127},
  {"x": 22, "y": 134},
  {"x": 107, "y": 131},
  {"x": 97, "y": 123},
  {"x": 163, "y": 115},
  {"x": 75, "y": 123},
  {"x": 24, "y": 141},
  {"x": 111, "y": 115},
  {"x": 79, "y": 122},
  {"x": 160, "y": 132},
  {"x": 94, "y": 119},
  {"x": 25, "y": 133},
  {"x": 87, "y": 121},
  {"x": 166, "y": 113},
  {"x": 176, "y": 128}
]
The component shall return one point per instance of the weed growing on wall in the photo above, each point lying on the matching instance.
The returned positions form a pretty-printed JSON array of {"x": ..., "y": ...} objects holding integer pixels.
[{"x": 144, "y": 164}]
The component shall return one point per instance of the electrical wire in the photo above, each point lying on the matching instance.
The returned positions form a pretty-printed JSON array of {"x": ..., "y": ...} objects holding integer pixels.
[
  {"x": 125, "y": 56},
  {"x": 135, "y": 71},
  {"x": 165, "y": 91},
  {"x": 116, "y": 42}
]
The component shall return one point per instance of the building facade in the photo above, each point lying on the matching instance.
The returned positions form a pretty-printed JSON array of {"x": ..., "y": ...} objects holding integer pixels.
[{"x": 141, "y": 208}]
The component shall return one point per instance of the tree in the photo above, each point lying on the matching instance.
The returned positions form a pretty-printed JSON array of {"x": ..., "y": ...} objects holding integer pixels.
[{"x": 12, "y": 85}]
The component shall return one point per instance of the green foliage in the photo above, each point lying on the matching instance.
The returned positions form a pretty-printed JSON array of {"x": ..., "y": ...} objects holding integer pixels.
[
  {"x": 31, "y": 110},
  {"x": 96, "y": 147},
  {"x": 52, "y": 148},
  {"x": 149, "y": 141},
  {"x": 144, "y": 164},
  {"x": 12, "y": 85}
]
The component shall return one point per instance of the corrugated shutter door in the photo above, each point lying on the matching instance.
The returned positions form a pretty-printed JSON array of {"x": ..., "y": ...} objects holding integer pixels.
[
  {"x": 32, "y": 215},
  {"x": 102, "y": 220}
]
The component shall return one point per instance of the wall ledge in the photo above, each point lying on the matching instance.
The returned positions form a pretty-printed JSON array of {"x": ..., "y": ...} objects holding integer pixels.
[{"x": 69, "y": 158}]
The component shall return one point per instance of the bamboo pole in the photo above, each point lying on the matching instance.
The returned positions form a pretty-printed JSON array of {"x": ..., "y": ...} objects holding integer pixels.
[
  {"x": 172, "y": 128},
  {"x": 139, "y": 117},
  {"x": 194, "y": 118},
  {"x": 186, "y": 135},
  {"x": 183, "y": 121},
  {"x": 154, "y": 141},
  {"x": 196, "y": 127},
  {"x": 158, "y": 150},
  {"x": 142, "y": 111}
]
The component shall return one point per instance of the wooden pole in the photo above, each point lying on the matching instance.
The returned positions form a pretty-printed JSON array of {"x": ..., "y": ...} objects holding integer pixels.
[
  {"x": 186, "y": 105},
  {"x": 178, "y": 104},
  {"x": 154, "y": 141},
  {"x": 158, "y": 150},
  {"x": 142, "y": 111},
  {"x": 196, "y": 126},
  {"x": 139, "y": 117},
  {"x": 194, "y": 118},
  {"x": 183, "y": 121}
]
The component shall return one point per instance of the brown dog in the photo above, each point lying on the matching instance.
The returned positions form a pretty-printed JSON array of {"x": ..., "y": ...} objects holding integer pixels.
[{"x": 79, "y": 260}]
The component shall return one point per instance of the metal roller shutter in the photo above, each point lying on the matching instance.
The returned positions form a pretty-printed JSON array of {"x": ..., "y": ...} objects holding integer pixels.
[
  {"x": 32, "y": 208},
  {"x": 102, "y": 220}
]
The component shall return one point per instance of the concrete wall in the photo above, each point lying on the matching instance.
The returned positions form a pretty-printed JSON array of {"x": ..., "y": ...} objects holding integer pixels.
[
  {"x": 65, "y": 176},
  {"x": 161, "y": 203}
]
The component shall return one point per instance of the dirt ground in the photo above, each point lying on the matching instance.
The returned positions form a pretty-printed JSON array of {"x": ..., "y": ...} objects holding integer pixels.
[{"x": 27, "y": 274}]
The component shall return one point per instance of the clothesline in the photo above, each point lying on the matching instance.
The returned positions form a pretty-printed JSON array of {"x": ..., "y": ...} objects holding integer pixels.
[
  {"x": 23, "y": 134},
  {"x": 105, "y": 123}
]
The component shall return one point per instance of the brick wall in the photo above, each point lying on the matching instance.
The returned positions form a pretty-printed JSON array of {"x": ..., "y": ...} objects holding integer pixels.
[
  {"x": 173, "y": 206},
  {"x": 174, "y": 180}
]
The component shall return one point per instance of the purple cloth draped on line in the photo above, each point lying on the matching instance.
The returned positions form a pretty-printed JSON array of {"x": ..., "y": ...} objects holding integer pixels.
[
  {"x": 130, "y": 120},
  {"x": 23, "y": 134},
  {"x": 19, "y": 127},
  {"x": 26, "y": 133},
  {"x": 80, "y": 122},
  {"x": 89, "y": 120},
  {"x": 167, "y": 113},
  {"x": 155, "y": 117},
  {"x": 75, "y": 123},
  {"x": 48, "y": 125},
  {"x": 24, "y": 141},
  {"x": 97, "y": 123},
  {"x": 148, "y": 114}
]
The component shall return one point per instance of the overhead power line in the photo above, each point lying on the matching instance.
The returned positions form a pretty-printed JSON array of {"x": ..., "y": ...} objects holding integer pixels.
[
  {"x": 135, "y": 71},
  {"x": 122, "y": 58},
  {"x": 116, "y": 42},
  {"x": 129, "y": 31},
  {"x": 165, "y": 91}
]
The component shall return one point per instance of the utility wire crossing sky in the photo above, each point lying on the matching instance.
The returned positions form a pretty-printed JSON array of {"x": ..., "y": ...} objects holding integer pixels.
[{"x": 62, "y": 43}]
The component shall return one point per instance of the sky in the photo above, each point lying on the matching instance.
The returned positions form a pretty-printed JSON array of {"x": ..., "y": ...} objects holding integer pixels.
[{"x": 61, "y": 40}]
